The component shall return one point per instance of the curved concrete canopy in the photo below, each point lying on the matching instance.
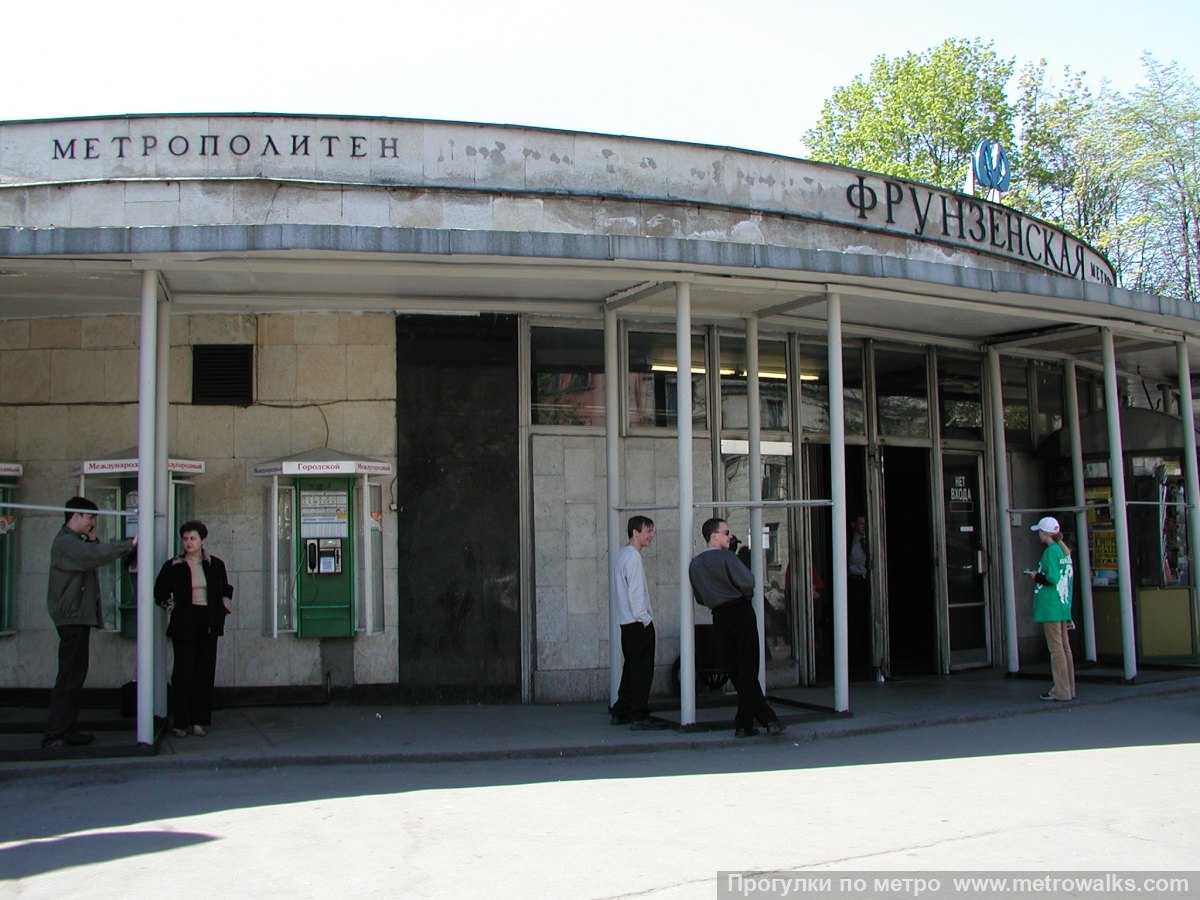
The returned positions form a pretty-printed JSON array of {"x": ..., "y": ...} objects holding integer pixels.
[{"x": 249, "y": 213}]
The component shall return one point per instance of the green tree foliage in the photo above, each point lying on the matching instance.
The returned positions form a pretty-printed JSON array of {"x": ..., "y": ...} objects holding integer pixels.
[
  {"x": 1066, "y": 171},
  {"x": 918, "y": 116},
  {"x": 1160, "y": 127},
  {"x": 1122, "y": 173},
  {"x": 1071, "y": 167}
]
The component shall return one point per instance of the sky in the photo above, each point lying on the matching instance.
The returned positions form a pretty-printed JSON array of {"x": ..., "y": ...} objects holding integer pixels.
[{"x": 751, "y": 74}]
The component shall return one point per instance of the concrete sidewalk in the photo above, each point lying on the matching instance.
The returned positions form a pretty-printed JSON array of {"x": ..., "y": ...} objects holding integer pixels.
[{"x": 374, "y": 733}]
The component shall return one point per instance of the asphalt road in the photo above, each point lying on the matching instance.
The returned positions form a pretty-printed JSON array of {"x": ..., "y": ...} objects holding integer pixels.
[{"x": 1102, "y": 788}]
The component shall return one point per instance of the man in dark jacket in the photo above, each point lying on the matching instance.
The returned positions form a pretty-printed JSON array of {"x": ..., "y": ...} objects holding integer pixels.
[
  {"x": 722, "y": 582},
  {"x": 73, "y": 599}
]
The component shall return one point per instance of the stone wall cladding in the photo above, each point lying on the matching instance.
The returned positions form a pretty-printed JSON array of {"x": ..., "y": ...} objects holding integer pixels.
[
  {"x": 571, "y": 560},
  {"x": 68, "y": 391}
]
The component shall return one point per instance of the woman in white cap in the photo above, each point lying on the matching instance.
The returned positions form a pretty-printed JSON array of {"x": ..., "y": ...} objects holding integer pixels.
[{"x": 1052, "y": 606}]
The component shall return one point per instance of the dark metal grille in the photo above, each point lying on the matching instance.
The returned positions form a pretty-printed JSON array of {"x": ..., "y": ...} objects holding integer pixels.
[{"x": 223, "y": 374}]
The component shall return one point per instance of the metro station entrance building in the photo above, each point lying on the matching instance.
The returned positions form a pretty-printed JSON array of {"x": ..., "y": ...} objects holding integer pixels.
[{"x": 492, "y": 323}]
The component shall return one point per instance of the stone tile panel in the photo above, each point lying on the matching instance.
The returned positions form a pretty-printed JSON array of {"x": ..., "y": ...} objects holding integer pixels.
[
  {"x": 320, "y": 372},
  {"x": 103, "y": 332},
  {"x": 55, "y": 333},
  {"x": 276, "y": 373},
  {"x": 24, "y": 376},
  {"x": 370, "y": 371}
]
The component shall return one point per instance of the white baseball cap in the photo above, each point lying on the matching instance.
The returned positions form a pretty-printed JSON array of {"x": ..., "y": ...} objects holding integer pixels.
[{"x": 1049, "y": 525}]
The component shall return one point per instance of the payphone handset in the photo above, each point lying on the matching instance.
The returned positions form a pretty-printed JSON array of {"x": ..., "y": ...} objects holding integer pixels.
[{"x": 323, "y": 556}]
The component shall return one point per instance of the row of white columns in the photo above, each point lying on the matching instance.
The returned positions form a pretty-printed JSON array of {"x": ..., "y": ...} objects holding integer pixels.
[
  {"x": 686, "y": 503},
  {"x": 1116, "y": 471}
]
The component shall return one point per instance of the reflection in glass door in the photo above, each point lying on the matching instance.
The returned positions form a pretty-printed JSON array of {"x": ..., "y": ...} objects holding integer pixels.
[
  {"x": 966, "y": 560},
  {"x": 776, "y": 539}
]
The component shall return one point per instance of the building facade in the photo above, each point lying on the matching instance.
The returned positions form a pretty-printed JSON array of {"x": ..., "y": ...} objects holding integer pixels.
[{"x": 461, "y": 345}]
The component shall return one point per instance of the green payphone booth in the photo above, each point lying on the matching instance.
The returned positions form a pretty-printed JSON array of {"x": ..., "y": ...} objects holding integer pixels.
[
  {"x": 325, "y": 590},
  {"x": 9, "y": 473},
  {"x": 112, "y": 483},
  {"x": 326, "y": 553}
]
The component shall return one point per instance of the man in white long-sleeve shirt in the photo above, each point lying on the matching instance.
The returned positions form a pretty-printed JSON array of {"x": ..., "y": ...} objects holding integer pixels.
[{"x": 632, "y": 598}]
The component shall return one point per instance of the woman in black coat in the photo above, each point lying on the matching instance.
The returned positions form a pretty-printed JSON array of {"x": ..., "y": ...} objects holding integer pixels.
[{"x": 194, "y": 589}]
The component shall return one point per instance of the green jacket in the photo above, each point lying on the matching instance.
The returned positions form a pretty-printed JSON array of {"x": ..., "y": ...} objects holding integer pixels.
[
  {"x": 1052, "y": 602},
  {"x": 73, "y": 596}
]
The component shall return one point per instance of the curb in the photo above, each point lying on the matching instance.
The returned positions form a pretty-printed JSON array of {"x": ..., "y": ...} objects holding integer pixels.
[{"x": 119, "y": 767}]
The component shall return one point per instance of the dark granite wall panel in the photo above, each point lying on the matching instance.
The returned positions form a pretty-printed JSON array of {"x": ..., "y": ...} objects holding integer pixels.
[{"x": 458, "y": 496}]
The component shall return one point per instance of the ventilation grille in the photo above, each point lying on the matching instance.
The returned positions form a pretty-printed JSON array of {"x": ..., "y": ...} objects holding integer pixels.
[{"x": 223, "y": 374}]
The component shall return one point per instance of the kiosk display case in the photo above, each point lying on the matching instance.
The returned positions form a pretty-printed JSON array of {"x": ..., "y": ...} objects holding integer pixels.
[
  {"x": 1165, "y": 621},
  {"x": 112, "y": 484},
  {"x": 9, "y": 474}
]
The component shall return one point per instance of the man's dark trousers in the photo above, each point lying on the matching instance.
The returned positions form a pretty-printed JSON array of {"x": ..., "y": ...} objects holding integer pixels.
[
  {"x": 858, "y": 621},
  {"x": 737, "y": 634},
  {"x": 68, "y": 686},
  {"x": 633, "y": 696}
]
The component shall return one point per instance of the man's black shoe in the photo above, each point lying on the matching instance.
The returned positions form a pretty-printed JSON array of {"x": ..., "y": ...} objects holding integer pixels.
[
  {"x": 616, "y": 719},
  {"x": 648, "y": 725},
  {"x": 78, "y": 738},
  {"x": 746, "y": 732},
  {"x": 776, "y": 728}
]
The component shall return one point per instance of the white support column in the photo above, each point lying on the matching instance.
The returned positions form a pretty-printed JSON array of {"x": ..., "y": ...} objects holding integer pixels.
[
  {"x": 1116, "y": 474},
  {"x": 612, "y": 451},
  {"x": 1003, "y": 504},
  {"x": 274, "y": 577},
  {"x": 147, "y": 558},
  {"x": 841, "y": 527},
  {"x": 1191, "y": 480},
  {"x": 1083, "y": 556},
  {"x": 754, "y": 432},
  {"x": 366, "y": 586},
  {"x": 687, "y": 614},
  {"x": 162, "y": 495}
]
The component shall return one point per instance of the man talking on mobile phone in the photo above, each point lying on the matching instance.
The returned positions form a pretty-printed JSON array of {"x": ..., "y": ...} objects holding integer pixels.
[{"x": 73, "y": 599}]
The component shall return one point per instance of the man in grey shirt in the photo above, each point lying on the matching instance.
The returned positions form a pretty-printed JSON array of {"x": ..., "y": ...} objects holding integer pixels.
[
  {"x": 721, "y": 582},
  {"x": 73, "y": 599}
]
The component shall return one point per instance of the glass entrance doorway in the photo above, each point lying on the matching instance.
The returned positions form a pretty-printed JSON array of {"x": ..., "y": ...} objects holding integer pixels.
[
  {"x": 817, "y": 613},
  {"x": 966, "y": 561},
  {"x": 909, "y": 623},
  {"x": 778, "y": 621}
]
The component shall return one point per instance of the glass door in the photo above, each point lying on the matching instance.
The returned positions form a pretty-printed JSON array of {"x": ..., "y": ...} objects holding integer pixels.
[
  {"x": 108, "y": 528},
  {"x": 778, "y": 626},
  {"x": 966, "y": 560},
  {"x": 8, "y": 521}
]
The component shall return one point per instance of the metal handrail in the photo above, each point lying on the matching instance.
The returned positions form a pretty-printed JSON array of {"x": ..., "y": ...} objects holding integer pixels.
[
  {"x": 128, "y": 513},
  {"x": 737, "y": 504}
]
